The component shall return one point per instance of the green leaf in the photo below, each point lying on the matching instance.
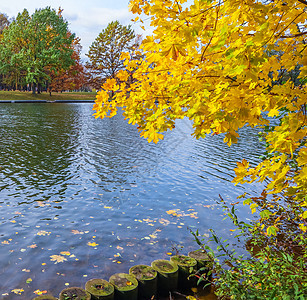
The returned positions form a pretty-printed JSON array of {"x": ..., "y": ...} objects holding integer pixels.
[
  {"x": 247, "y": 201},
  {"x": 271, "y": 230},
  {"x": 29, "y": 280},
  {"x": 265, "y": 214}
]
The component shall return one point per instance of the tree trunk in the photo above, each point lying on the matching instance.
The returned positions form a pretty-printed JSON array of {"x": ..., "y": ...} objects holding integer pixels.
[{"x": 33, "y": 88}]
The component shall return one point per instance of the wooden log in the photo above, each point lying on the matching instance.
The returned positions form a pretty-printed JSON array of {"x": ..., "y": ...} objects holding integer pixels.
[
  {"x": 45, "y": 297},
  {"x": 167, "y": 275},
  {"x": 125, "y": 286},
  {"x": 74, "y": 293},
  {"x": 148, "y": 281},
  {"x": 186, "y": 267},
  {"x": 100, "y": 289},
  {"x": 204, "y": 265},
  {"x": 202, "y": 257}
]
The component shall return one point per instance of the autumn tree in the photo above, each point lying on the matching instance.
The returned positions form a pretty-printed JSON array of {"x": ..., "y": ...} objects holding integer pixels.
[
  {"x": 225, "y": 65},
  {"x": 73, "y": 78},
  {"x": 105, "y": 52}
]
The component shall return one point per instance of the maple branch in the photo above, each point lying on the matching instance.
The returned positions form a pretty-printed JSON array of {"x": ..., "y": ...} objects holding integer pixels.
[
  {"x": 290, "y": 24},
  {"x": 302, "y": 1},
  {"x": 217, "y": 16},
  {"x": 295, "y": 35}
]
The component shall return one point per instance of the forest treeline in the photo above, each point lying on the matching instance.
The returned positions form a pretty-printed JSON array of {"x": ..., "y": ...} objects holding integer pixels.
[{"x": 39, "y": 53}]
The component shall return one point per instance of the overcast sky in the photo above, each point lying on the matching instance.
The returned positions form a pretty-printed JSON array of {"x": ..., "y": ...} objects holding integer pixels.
[{"x": 86, "y": 18}]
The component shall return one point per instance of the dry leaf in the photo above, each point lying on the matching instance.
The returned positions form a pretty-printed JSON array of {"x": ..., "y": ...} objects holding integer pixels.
[{"x": 57, "y": 258}]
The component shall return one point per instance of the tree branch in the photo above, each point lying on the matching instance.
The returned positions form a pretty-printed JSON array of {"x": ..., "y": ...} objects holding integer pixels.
[
  {"x": 303, "y": 1},
  {"x": 295, "y": 35},
  {"x": 216, "y": 20}
]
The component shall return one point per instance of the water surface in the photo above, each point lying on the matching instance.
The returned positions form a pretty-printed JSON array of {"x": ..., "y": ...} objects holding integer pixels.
[{"x": 82, "y": 198}]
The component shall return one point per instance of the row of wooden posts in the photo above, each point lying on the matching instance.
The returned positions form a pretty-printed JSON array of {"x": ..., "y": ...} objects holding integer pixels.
[{"x": 142, "y": 282}]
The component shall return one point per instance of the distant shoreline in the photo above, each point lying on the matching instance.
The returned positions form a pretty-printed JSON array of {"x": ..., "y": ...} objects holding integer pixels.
[{"x": 64, "y": 97}]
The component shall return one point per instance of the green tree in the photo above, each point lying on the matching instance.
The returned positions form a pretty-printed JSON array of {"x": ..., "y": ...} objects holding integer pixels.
[
  {"x": 34, "y": 45},
  {"x": 105, "y": 52},
  {"x": 12, "y": 57}
]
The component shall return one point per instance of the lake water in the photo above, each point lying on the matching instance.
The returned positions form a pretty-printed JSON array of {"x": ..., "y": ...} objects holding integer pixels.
[{"x": 82, "y": 198}]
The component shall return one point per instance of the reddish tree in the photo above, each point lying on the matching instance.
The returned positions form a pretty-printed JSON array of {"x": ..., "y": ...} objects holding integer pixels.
[{"x": 73, "y": 78}]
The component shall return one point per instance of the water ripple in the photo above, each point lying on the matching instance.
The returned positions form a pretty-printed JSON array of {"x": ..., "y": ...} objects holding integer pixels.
[{"x": 68, "y": 180}]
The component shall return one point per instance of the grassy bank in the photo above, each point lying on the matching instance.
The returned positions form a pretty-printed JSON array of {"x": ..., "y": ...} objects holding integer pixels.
[{"x": 16, "y": 95}]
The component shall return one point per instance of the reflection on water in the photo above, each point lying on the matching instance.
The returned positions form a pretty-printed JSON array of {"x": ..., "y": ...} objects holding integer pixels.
[{"x": 94, "y": 195}]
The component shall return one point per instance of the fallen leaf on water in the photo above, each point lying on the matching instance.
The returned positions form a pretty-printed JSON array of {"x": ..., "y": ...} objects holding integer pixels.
[
  {"x": 174, "y": 213},
  {"x": 25, "y": 270},
  {"x": 17, "y": 291},
  {"x": 5, "y": 242},
  {"x": 93, "y": 244},
  {"x": 65, "y": 253},
  {"x": 57, "y": 258},
  {"x": 119, "y": 248},
  {"x": 74, "y": 231},
  {"x": 164, "y": 221},
  {"x": 29, "y": 280},
  {"x": 43, "y": 232},
  {"x": 32, "y": 246},
  {"x": 38, "y": 292}
]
